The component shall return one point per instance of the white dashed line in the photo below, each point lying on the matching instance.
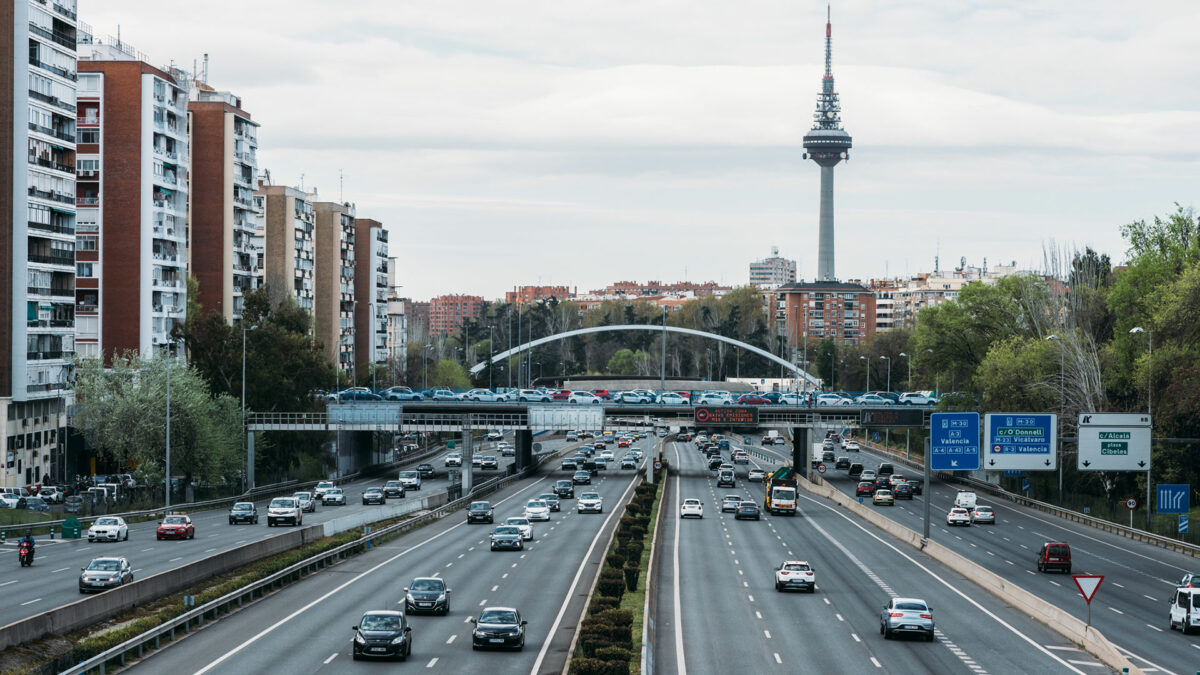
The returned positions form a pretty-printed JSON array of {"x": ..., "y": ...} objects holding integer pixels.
[
  {"x": 331, "y": 657},
  {"x": 432, "y": 662},
  {"x": 856, "y": 638},
  {"x": 495, "y": 588},
  {"x": 30, "y": 602},
  {"x": 876, "y": 662},
  {"x": 1116, "y": 610},
  {"x": 451, "y": 640}
]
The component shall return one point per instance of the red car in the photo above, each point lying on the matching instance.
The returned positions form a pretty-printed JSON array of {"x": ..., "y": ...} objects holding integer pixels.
[
  {"x": 560, "y": 395},
  {"x": 602, "y": 393},
  {"x": 864, "y": 489},
  {"x": 752, "y": 399},
  {"x": 176, "y": 527},
  {"x": 623, "y": 443}
]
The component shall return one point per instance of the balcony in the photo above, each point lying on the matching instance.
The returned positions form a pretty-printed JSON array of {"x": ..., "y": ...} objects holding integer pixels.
[
  {"x": 82, "y": 308},
  {"x": 55, "y": 228},
  {"x": 52, "y": 100},
  {"x": 87, "y": 201},
  {"x": 51, "y": 164},
  {"x": 52, "y": 195},
  {"x": 87, "y": 173},
  {"x": 66, "y": 11},
  {"x": 163, "y": 152},
  {"x": 66, "y": 260},
  {"x": 42, "y": 356},
  {"x": 51, "y": 291},
  {"x": 61, "y": 72},
  {"x": 53, "y": 35}
]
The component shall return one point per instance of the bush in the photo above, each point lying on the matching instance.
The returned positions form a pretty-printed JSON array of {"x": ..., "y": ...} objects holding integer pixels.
[
  {"x": 631, "y": 576},
  {"x": 600, "y": 603},
  {"x": 634, "y": 508},
  {"x": 614, "y": 654},
  {"x": 633, "y": 553},
  {"x": 615, "y": 559},
  {"x": 638, "y": 532},
  {"x": 625, "y": 523},
  {"x": 587, "y": 666},
  {"x": 612, "y": 583},
  {"x": 617, "y": 617}
]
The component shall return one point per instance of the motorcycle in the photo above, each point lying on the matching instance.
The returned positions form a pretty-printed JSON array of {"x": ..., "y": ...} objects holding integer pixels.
[{"x": 25, "y": 555}]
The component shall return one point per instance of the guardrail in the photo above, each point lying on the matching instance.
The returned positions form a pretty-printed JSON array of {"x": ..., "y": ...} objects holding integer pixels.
[{"x": 212, "y": 609}]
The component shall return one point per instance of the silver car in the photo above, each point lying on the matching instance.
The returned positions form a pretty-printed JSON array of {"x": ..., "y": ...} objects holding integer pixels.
[
  {"x": 334, "y": 496},
  {"x": 307, "y": 503},
  {"x": 906, "y": 615}
]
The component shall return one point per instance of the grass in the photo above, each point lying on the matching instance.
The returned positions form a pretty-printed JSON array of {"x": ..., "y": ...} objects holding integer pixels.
[{"x": 635, "y": 601}]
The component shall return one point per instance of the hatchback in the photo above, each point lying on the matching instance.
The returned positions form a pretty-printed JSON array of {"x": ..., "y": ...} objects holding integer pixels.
[
  {"x": 983, "y": 514},
  {"x": 382, "y": 634}
]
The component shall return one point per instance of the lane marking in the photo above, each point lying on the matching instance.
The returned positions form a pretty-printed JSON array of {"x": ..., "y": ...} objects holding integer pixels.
[
  {"x": 495, "y": 588},
  {"x": 767, "y": 633},
  {"x": 777, "y": 659},
  {"x": 30, "y": 602},
  {"x": 61, "y": 569},
  {"x": 452, "y": 637},
  {"x": 1116, "y": 610},
  {"x": 432, "y": 662},
  {"x": 856, "y": 638},
  {"x": 331, "y": 658},
  {"x": 876, "y": 662}
]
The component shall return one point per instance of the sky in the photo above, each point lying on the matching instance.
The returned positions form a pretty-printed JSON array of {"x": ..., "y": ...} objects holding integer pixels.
[{"x": 581, "y": 143}]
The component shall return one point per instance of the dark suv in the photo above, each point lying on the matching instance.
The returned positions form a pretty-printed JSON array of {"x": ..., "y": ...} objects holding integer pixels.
[
  {"x": 479, "y": 512},
  {"x": 565, "y": 489},
  {"x": 886, "y": 469}
]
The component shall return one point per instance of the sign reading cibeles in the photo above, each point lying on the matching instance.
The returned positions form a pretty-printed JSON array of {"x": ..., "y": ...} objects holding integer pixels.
[
  {"x": 731, "y": 416},
  {"x": 1114, "y": 442}
]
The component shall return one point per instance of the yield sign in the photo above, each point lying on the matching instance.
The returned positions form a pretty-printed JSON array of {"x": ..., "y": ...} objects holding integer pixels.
[{"x": 1088, "y": 584}]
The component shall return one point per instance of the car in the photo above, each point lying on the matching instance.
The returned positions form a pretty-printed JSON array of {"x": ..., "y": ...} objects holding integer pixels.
[
  {"x": 426, "y": 471},
  {"x": 726, "y": 478},
  {"x": 533, "y": 396},
  {"x": 983, "y": 514},
  {"x": 335, "y": 496},
  {"x": 489, "y": 463},
  {"x": 443, "y": 395},
  {"x": 864, "y": 488},
  {"x": 832, "y": 399},
  {"x": 958, "y": 516},
  {"x": 1185, "y": 609},
  {"x": 917, "y": 398},
  {"x": 672, "y": 398},
  {"x": 493, "y": 435},
  {"x": 886, "y": 469},
  {"x": 828, "y": 456},
  {"x": 453, "y": 459},
  {"x": 855, "y": 471},
  {"x": 747, "y": 510},
  {"x": 590, "y": 502},
  {"x": 715, "y": 398},
  {"x": 715, "y": 463},
  {"x": 399, "y": 393},
  {"x": 537, "y": 510},
  {"x": 498, "y": 627},
  {"x": 853, "y": 446},
  {"x": 881, "y": 483},
  {"x": 522, "y": 523},
  {"x": 485, "y": 395},
  {"x": 323, "y": 487},
  {"x": 570, "y": 463},
  {"x": 1054, "y": 555},
  {"x": 756, "y": 475},
  {"x": 383, "y": 634},
  {"x": 701, "y": 439},
  {"x": 427, "y": 595},
  {"x": 243, "y": 512},
  {"x": 476, "y": 461},
  {"x": 842, "y": 463},
  {"x": 691, "y": 508},
  {"x": 582, "y": 478},
  {"x": 108, "y": 528},
  {"x": 902, "y": 490},
  {"x": 358, "y": 396},
  {"x": 308, "y": 503},
  {"x": 896, "y": 478},
  {"x": 175, "y": 526},
  {"x": 551, "y": 500},
  {"x": 104, "y": 573},
  {"x": 507, "y": 537},
  {"x": 753, "y": 399},
  {"x": 906, "y": 615},
  {"x": 479, "y": 512},
  {"x": 411, "y": 480},
  {"x": 584, "y": 398},
  {"x": 565, "y": 489},
  {"x": 73, "y": 504},
  {"x": 628, "y": 462},
  {"x": 1190, "y": 580},
  {"x": 374, "y": 495},
  {"x": 874, "y": 400},
  {"x": 882, "y": 497},
  {"x": 740, "y": 457},
  {"x": 284, "y": 509},
  {"x": 867, "y": 474},
  {"x": 36, "y": 504},
  {"x": 796, "y": 574},
  {"x": 506, "y": 449},
  {"x": 918, "y": 486},
  {"x": 729, "y": 503},
  {"x": 965, "y": 499},
  {"x": 608, "y": 455},
  {"x": 51, "y": 494},
  {"x": 393, "y": 489}
]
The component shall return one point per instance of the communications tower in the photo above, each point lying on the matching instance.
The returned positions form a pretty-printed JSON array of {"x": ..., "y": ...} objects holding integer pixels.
[{"x": 827, "y": 143}]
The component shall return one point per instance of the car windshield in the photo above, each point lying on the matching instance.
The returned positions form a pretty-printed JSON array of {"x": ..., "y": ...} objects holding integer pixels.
[
  {"x": 408, "y": 474},
  {"x": 983, "y": 509},
  {"x": 537, "y": 505},
  {"x": 243, "y": 507},
  {"x": 427, "y": 585},
  {"x": 176, "y": 520},
  {"x": 104, "y": 566},
  {"x": 392, "y": 483},
  {"x": 958, "y": 511},
  {"x": 507, "y": 529},
  {"x": 548, "y": 498},
  {"x": 517, "y": 521},
  {"x": 379, "y": 622},
  {"x": 498, "y": 616},
  {"x": 590, "y": 495},
  {"x": 748, "y": 506},
  {"x": 282, "y": 503},
  {"x": 301, "y": 495},
  {"x": 563, "y": 483},
  {"x": 370, "y": 490},
  {"x": 324, "y": 484},
  {"x": 334, "y": 491},
  {"x": 106, "y": 521},
  {"x": 911, "y": 606}
]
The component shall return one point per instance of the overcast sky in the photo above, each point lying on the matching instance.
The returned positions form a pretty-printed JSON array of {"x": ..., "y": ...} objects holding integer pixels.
[{"x": 584, "y": 142}]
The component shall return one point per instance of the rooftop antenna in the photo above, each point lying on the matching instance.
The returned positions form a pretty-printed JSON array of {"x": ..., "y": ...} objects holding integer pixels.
[
  {"x": 118, "y": 35},
  {"x": 205, "y": 80},
  {"x": 340, "y": 185}
]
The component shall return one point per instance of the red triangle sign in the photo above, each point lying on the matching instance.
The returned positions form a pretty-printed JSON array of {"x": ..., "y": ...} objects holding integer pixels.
[{"x": 1088, "y": 584}]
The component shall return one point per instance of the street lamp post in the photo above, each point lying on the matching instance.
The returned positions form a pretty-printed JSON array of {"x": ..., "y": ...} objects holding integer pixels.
[
  {"x": 249, "y": 469},
  {"x": 937, "y": 377},
  {"x": 889, "y": 372},
  {"x": 491, "y": 363},
  {"x": 1062, "y": 408},
  {"x": 867, "y": 382},
  {"x": 908, "y": 384},
  {"x": 662, "y": 368},
  {"x": 1149, "y": 406}
]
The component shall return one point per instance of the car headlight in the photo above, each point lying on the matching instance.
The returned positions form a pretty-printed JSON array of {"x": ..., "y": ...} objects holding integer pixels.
[
  {"x": 441, "y": 597},
  {"x": 478, "y": 633},
  {"x": 359, "y": 639},
  {"x": 409, "y": 597},
  {"x": 398, "y": 641}
]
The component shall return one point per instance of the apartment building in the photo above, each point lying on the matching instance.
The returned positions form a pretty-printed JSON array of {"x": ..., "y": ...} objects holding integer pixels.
[
  {"x": 418, "y": 319},
  {"x": 397, "y": 318},
  {"x": 812, "y": 311},
  {"x": 333, "y": 304},
  {"x": 658, "y": 288},
  {"x": 131, "y": 236},
  {"x": 522, "y": 294},
  {"x": 448, "y": 312},
  {"x": 285, "y": 253},
  {"x": 772, "y": 272},
  {"x": 37, "y": 234},
  {"x": 224, "y": 167},
  {"x": 371, "y": 291}
]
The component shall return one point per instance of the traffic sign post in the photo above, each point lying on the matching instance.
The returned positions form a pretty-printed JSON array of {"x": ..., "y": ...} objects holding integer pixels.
[
  {"x": 1088, "y": 584},
  {"x": 1116, "y": 442},
  {"x": 821, "y": 468},
  {"x": 954, "y": 441},
  {"x": 1183, "y": 523},
  {"x": 1132, "y": 505},
  {"x": 1020, "y": 441},
  {"x": 1174, "y": 498}
]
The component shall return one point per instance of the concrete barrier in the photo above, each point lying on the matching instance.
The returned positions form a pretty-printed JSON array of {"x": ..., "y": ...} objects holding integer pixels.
[
  {"x": 1058, "y": 620},
  {"x": 384, "y": 512}
]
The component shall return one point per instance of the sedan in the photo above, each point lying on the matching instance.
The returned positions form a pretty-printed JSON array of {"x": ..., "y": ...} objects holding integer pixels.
[
  {"x": 589, "y": 502},
  {"x": 917, "y": 486},
  {"x": 565, "y": 489},
  {"x": 691, "y": 508},
  {"x": 507, "y": 537},
  {"x": 628, "y": 462},
  {"x": 958, "y": 516},
  {"x": 498, "y": 627},
  {"x": 175, "y": 527},
  {"x": 753, "y": 399},
  {"x": 453, "y": 459},
  {"x": 374, "y": 495},
  {"x": 902, "y": 491},
  {"x": 426, "y": 471},
  {"x": 853, "y": 446},
  {"x": 427, "y": 594},
  {"x": 865, "y": 488},
  {"x": 334, "y": 496},
  {"x": 747, "y": 510},
  {"x": 383, "y": 634},
  {"x": 842, "y": 463},
  {"x": 551, "y": 500},
  {"x": 537, "y": 510},
  {"x": 444, "y": 395},
  {"x": 833, "y": 399},
  {"x": 307, "y": 503},
  {"x": 105, "y": 573},
  {"x": 243, "y": 512},
  {"x": 322, "y": 487},
  {"x": 906, "y": 615},
  {"x": 570, "y": 463},
  {"x": 983, "y": 514},
  {"x": 582, "y": 478},
  {"x": 109, "y": 528},
  {"x": 522, "y": 524},
  {"x": 883, "y": 497},
  {"x": 795, "y": 574},
  {"x": 874, "y": 400},
  {"x": 672, "y": 398},
  {"x": 584, "y": 397},
  {"x": 393, "y": 489},
  {"x": 485, "y": 395},
  {"x": 756, "y": 475},
  {"x": 729, "y": 503}
]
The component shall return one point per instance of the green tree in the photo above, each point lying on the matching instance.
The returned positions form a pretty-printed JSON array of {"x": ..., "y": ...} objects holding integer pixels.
[
  {"x": 448, "y": 373},
  {"x": 1019, "y": 373},
  {"x": 624, "y": 362}
]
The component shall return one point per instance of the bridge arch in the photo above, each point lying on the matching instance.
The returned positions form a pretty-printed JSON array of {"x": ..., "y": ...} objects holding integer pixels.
[{"x": 813, "y": 381}]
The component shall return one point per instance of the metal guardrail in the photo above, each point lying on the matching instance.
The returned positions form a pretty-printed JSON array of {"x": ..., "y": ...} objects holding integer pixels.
[{"x": 212, "y": 609}]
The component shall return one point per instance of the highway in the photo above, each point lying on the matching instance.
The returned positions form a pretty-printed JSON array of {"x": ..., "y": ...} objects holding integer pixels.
[
  {"x": 718, "y": 610},
  {"x": 1130, "y": 608},
  {"x": 52, "y": 581},
  {"x": 306, "y": 627}
]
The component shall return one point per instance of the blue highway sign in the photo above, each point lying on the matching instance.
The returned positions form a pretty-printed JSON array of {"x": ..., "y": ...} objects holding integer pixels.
[
  {"x": 954, "y": 441},
  {"x": 1020, "y": 441},
  {"x": 1174, "y": 498}
]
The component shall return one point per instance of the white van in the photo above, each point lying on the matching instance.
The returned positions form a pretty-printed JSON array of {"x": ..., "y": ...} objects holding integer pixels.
[
  {"x": 965, "y": 500},
  {"x": 1185, "y": 609}
]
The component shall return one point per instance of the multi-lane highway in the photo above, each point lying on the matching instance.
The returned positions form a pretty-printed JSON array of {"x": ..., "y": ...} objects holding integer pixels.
[
  {"x": 719, "y": 612},
  {"x": 53, "y": 579},
  {"x": 1130, "y": 608},
  {"x": 306, "y": 627}
]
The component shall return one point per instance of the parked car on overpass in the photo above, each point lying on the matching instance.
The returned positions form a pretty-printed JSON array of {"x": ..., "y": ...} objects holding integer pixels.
[
  {"x": 402, "y": 394},
  {"x": 485, "y": 395},
  {"x": 584, "y": 397}
]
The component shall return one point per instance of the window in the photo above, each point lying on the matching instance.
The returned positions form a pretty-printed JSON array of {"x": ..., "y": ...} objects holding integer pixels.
[
  {"x": 87, "y": 243},
  {"x": 87, "y": 167},
  {"x": 83, "y": 270},
  {"x": 89, "y": 135}
]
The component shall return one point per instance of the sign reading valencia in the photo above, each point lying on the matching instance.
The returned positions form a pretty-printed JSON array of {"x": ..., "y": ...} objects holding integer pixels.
[{"x": 733, "y": 416}]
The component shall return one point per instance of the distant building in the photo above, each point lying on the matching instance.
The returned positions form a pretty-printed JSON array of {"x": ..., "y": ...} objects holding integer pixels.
[
  {"x": 447, "y": 312},
  {"x": 522, "y": 294},
  {"x": 333, "y": 305},
  {"x": 632, "y": 289},
  {"x": 900, "y": 301},
  {"x": 772, "y": 272},
  {"x": 370, "y": 291},
  {"x": 397, "y": 322},
  {"x": 418, "y": 319},
  {"x": 286, "y": 258},
  {"x": 844, "y": 312}
]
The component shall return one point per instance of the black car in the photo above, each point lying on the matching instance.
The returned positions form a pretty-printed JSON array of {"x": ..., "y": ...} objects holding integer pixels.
[
  {"x": 902, "y": 490},
  {"x": 393, "y": 489},
  {"x": 507, "y": 537},
  {"x": 747, "y": 510},
  {"x": 426, "y": 471},
  {"x": 918, "y": 487},
  {"x": 498, "y": 627},
  {"x": 427, "y": 594},
  {"x": 565, "y": 489},
  {"x": 479, "y": 512},
  {"x": 383, "y": 634},
  {"x": 842, "y": 463},
  {"x": 714, "y": 463},
  {"x": 551, "y": 500},
  {"x": 883, "y": 482},
  {"x": 374, "y": 496},
  {"x": 886, "y": 469},
  {"x": 582, "y": 478},
  {"x": 243, "y": 512}
]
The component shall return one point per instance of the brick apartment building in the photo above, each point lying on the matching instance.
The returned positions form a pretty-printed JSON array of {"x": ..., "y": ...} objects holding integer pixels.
[
  {"x": 844, "y": 312},
  {"x": 447, "y": 312}
]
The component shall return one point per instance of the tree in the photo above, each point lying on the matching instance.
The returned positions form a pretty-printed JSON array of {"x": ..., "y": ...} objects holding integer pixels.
[
  {"x": 624, "y": 362},
  {"x": 448, "y": 373},
  {"x": 1019, "y": 373}
]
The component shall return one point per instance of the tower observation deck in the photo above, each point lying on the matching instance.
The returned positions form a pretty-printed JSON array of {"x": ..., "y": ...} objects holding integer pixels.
[{"x": 827, "y": 143}]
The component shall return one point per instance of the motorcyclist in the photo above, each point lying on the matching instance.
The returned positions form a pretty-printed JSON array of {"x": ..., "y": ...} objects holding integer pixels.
[{"x": 28, "y": 539}]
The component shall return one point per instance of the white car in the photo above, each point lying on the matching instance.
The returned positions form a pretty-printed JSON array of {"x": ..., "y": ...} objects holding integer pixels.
[
  {"x": 965, "y": 499},
  {"x": 795, "y": 574},
  {"x": 506, "y": 449},
  {"x": 109, "y": 528},
  {"x": 917, "y": 398},
  {"x": 792, "y": 399},
  {"x": 533, "y": 396},
  {"x": 411, "y": 480},
  {"x": 584, "y": 397},
  {"x": 537, "y": 510},
  {"x": 853, "y": 446},
  {"x": 485, "y": 395},
  {"x": 691, "y": 508},
  {"x": 589, "y": 502},
  {"x": 715, "y": 398},
  {"x": 958, "y": 516},
  {"x": 51, "y": 494},
  {"x": 334, "y": 496},
  {"x": 493, "y": 435},
  {"x": 832, "y": 399},
  {"x": 323, "y": 487},
  {"x": 454, "y": 459},
  {"x": 874, "y": 400},
  {"x": 607, "y": 455},
  {"x": 672, "y": 398},
  {"x": 522, "y": 524},
  {"x": 632, "y": 397}
]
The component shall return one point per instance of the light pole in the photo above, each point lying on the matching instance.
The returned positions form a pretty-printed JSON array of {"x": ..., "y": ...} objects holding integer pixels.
[
  {"x": 425, "y": 354},
  {"x": 491, "y": 363},
  {"x": 867, "y": 383},
  {"x": 908, "y": 384},
  {"x": 1149, "y": 406},
  {"x": 937, "y": 377},
  {"x": 1061, "y": 409},
  {"x": 244, "y": 331},
  {"x": 662, "y": 371},
  {"x": 889, "y": 371},
  {"x": 168, "y": 463}
]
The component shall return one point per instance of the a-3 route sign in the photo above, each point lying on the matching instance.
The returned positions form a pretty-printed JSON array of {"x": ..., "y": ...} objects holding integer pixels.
[
  {"x": 1020, "y": 441},
  {"x": 954, "y": 441}
]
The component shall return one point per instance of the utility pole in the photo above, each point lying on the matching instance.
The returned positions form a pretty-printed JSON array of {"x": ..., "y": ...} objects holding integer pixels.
[{"x": 662, "y": 373}]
